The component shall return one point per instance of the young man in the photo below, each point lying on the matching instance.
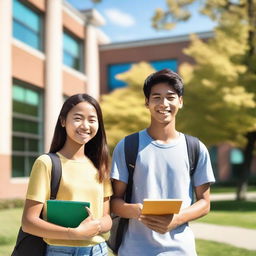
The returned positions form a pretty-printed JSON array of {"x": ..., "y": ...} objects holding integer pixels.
[{"x": 161, "y": 171}]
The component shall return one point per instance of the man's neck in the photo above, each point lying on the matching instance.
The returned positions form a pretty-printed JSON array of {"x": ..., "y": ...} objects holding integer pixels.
[{"x": 163, "y": 133}]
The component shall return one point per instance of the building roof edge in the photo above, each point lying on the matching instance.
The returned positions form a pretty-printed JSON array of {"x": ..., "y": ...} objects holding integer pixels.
[{"x": 154, "y": 41}]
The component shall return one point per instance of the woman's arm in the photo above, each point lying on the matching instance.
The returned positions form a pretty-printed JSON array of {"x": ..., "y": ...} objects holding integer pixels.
[
  {"x": 106, "y": 221},
  {"x": 33, "y": 224}
]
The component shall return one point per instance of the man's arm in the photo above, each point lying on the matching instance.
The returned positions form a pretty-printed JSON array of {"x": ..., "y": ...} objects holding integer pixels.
[
  {"x": 165, "y": 223},
  {"x": 119, "y": 206}
]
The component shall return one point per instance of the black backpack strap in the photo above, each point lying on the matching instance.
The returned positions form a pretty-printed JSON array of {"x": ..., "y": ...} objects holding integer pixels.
[
  {"x": 193, "y": 149},
  {"x": 131, "y": 144},
  {"x": 55, "y": 174}
]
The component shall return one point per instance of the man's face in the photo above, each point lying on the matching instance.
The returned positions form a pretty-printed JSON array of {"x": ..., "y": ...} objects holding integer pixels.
[{"x": 163, "y": 103}]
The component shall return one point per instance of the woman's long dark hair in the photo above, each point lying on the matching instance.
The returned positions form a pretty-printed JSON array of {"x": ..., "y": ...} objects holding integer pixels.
[{"x": 96, "y": 149}]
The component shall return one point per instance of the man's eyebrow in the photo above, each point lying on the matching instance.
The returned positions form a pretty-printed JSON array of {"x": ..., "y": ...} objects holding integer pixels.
[{"x": 168, "y": 93}]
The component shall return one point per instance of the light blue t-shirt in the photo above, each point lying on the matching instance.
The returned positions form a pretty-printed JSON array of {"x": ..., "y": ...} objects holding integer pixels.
[{"x": 161, "y": 171}]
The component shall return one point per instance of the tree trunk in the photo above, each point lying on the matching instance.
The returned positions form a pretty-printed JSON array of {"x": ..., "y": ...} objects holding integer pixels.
[{"x": 244, "y": 174}]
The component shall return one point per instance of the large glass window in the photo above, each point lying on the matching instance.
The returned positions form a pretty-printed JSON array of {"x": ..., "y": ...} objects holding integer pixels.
[
  {"x": 116, "y": 69},
  {"x": 27, "y": 25},
  {"x": 27, "y": 129},
  {"x": 72, "y": 52}
]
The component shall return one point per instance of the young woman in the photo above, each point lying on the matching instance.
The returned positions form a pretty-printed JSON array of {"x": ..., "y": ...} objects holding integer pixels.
[{"x": 80, "y": 142}]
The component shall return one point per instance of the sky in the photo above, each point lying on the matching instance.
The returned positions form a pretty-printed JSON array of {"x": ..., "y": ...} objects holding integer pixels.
[{"x": 130, "y": 20}]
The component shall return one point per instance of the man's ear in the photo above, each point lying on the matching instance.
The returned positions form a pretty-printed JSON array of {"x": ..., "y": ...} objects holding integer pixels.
[
  {"x": 181, "y": 102},
  {"x": 146, "y": 102}
]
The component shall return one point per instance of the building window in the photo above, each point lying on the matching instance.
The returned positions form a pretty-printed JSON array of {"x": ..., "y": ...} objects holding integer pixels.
[
  {"x": 236, "y": 156},
  {"x": 27, "y": 25},
  {"x": 27, "y": 128},
  {"x": 116, "y": 69},
  {"x": 161, "y": 64},
  {"x": 72, "y": 52}
]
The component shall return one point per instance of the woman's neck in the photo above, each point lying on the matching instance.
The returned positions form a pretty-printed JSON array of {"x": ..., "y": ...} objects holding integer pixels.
[{"x": 74, "y": 152}]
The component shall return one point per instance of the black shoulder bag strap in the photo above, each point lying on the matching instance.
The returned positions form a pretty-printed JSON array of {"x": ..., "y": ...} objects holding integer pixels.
[
  {"x": 23, "y": 243},
  {"x": 193, "y": 152},
  {"x": 55, "y": 174},
  {"x": 131, "y": 144}
]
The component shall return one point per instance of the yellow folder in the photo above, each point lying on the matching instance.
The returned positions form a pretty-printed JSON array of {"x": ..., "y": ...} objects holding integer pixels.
[{"x": 161, "y": 206}]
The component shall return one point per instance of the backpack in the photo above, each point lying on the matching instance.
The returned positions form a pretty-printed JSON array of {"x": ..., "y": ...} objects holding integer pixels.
[
  {"x": 131, "y": 144},
  {"x": 26, "y": 243}
]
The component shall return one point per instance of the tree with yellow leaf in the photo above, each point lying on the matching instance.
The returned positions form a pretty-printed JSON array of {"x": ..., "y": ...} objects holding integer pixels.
[{"x": 124, "y": 109}]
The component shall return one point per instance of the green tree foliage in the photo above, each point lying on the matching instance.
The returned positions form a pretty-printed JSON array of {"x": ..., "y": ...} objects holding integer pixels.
[
  {"x": 177, "y": 10},
  {"x": 124, "y": 109},
  {"x": 219, "y": 106},
  {"x": 221, "y": 86}
]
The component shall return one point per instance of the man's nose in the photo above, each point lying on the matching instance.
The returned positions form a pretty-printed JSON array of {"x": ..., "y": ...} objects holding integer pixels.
[{"x": 165, "y": 102}]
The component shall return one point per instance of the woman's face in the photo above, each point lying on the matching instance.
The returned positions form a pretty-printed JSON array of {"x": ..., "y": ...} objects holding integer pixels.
[{"x": 81, "y": 123}]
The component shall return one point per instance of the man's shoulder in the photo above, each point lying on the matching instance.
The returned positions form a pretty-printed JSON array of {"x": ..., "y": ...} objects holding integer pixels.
[{"x": 121, "y": 143}]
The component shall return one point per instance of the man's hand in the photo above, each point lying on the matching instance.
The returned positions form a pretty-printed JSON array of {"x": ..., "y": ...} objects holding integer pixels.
[{"x": 160, "y": 223}]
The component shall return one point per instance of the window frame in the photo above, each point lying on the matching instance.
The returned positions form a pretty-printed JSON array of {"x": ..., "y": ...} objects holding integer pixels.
[
  {"x": 39, "y": 34},
  {"x": 78, "y": 40},
  {"x": 26, "y": 153}
]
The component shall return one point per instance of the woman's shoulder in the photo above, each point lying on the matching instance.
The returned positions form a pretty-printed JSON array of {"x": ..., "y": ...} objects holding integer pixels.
[{"x": 43, "y": 159}]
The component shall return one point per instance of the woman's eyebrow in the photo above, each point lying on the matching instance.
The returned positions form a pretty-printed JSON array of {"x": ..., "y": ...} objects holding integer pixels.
[{"x": 77, "y": 114}]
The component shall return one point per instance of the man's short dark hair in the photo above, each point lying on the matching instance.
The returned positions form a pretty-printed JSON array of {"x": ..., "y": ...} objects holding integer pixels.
[{"x": 164, "y": 76}]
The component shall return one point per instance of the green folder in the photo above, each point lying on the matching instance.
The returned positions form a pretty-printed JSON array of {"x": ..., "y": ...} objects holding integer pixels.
[{"x": 66, "y": 213}]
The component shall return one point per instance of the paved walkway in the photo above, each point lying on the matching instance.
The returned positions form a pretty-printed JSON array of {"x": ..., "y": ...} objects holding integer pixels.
[
  {"x": 239, "y": 237},
  {"x": 232, "y": 196},
  {"x": 236, "y": 236}
]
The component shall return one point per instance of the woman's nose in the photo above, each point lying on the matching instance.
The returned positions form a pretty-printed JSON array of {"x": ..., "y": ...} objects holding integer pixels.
[{"x": 85, "y": 124}]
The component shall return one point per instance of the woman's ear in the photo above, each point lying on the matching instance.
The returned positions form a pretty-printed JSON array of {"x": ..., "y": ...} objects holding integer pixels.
[{"x": 62, "y": 122}]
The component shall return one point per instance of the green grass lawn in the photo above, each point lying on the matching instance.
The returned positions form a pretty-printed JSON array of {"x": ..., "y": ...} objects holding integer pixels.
[
  {"x": 10, "y": 220},
  {"x": 215, "y": 188},
  {"x": 209, "y": 248},
  {"x": 223, "y": 212},
  {"x": 232, "y": 213}
]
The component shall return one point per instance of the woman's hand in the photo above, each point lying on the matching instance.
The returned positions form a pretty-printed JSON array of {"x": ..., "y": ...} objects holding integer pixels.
[{"x": 88, "y": 228}]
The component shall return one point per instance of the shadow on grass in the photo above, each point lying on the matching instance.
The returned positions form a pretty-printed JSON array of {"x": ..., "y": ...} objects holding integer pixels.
[{"x": 245, "y": 206}]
